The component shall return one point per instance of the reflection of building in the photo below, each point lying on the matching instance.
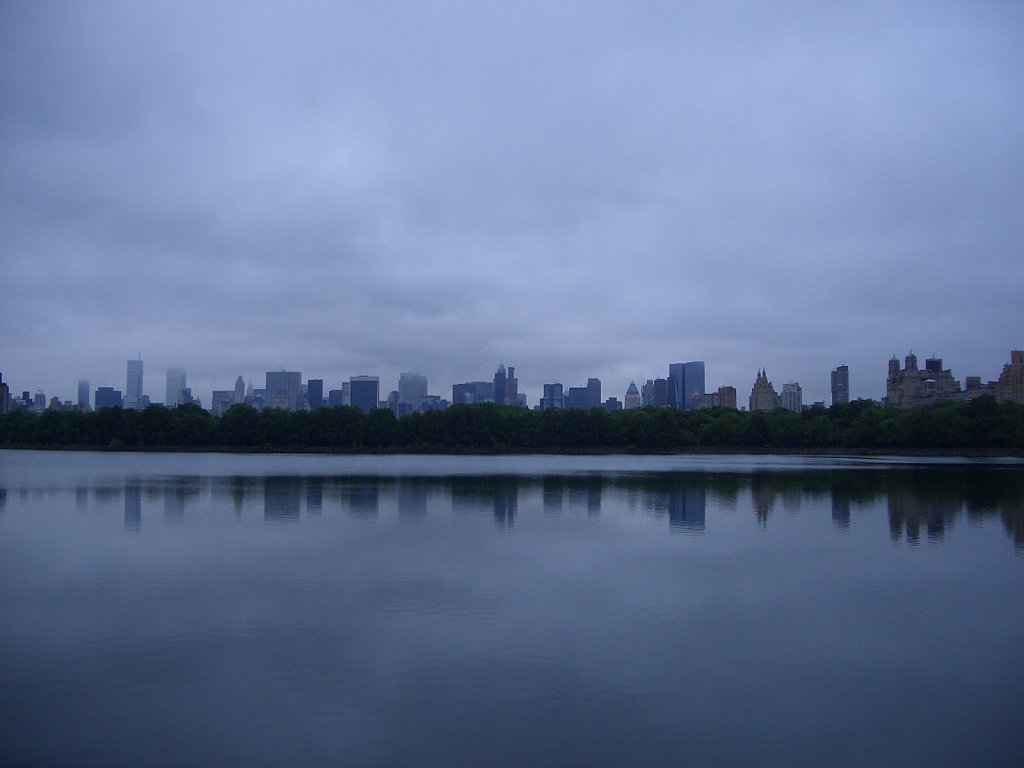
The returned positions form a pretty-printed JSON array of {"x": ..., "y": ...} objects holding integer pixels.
[
  {"x": 762, "y": 395},
  {"x": 506, "y": 501},
  {"x": 132, "y": 505},
  {"x": 363, "y": 497},
  {"x": 282, "y": 498},
  {"x": 314, "y": 496},
  {"x": 840, "y": 510},
  {"x": 912, "y": 387},
  {"x": 412, "y": 498},
  {"x": 841, "y": 385},
  {"x": 687, "y": 507},
  {"x": 908, "y": 509}
]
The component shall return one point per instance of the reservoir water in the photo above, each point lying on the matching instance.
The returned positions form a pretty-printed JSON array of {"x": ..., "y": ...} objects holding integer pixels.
[{"x": 281, "y": 610}]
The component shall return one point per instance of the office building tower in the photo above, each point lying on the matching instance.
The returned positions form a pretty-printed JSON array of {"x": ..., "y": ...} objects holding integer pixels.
[
  {"x": 283, "y": 390},
  {"x": 593, "y": 393},
  {"x": 1010, "y": 386},
  {"x": 792, "y": 397},
  {"x": 552, "y": 398},
  {"x": 83, "y": 393},
  {"x": 687, "y": 391},
  {"x": 133, "y": 392},
  {"x": 660, "y": 393},
  {"x": 175, "y": 387},
  {"x": 334, "y": 399},
  {"x": 511, "y": 388},
  {"x": 222, "y": 400},
  {"x": 472, "y": 393},
  {"x": 632, "y": 400},
  {"x": 412, "y": 388},
  {"x": 5, "y": 396},
  {"x": 763, "y": 396},
  {"x": 841, "y": 385},
  {"x": 500, "y": 380},
  {"x": 239, "y": 391},
  {"x": 576, "y": 397},
  {"x": 365, "y": 392},
  {"x": 107, "y": 397},
  {"x": 913, "y": 387},
  {"x": 315, "y": 393}
]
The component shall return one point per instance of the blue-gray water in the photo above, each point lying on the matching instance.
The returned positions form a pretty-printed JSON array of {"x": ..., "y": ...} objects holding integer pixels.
[{"x": 212, "y": 610}]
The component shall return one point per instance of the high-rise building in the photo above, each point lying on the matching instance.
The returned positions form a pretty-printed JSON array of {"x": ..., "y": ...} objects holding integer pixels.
[
  {"x": 500, "y": 380},
  {"x": 412, "y": 387},
  {"x": 239, "y": 391},
  {"x": 335, "y": 399},
  {"x": 222, "y": 400},
  {"x": 593, "y": 393},
  {"x": 727, "y": 397},
  {"x": 552, "y": 398},
  {"x": 175, "y": 387},
  {"x": 792, "y": 397},
  {"x": 841, "y": 385},
  {"x": 107, "y": 397},
  {"x": 315, "y": 393},
  {"x": 83, "y": 393},
  {"x": 511, "y": 388},
  {"x": 763, "y": 396},
  {"x": 1010, "y": 387},
  {"x": 133, "y": 392},
  {"x": 633, "y": 400},
  {"x": 913, "y": 387},
  {"x": 576, "y": 397},
  {"x": 472, "y": 392},
  {"x": 689, "y": 384},
  {"x": 5, "y": 396},
  {"x": 283, "y": 389},
  {"x": 365, "y": 392}
]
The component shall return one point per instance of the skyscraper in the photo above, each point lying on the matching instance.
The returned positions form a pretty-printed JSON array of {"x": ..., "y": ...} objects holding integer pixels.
[
  {"x": 792, "y": 397},
  {"x": 83, "y": 393},
  {"x": 633, "y": 400},
  {"x": 283, "y": 389},
  {"x": 593, "y": 399},
  {"x": 500, "y": 380},
  {"x": 763, "y": 396},
  {"x": 5, "y": 396},
  {"x": 133, "y": 390},
  {"x": 314, "y": 393},
  {"x": 840, "y": 385},
  {"x": 365, "y": 392},
  {"x": 175, "y": 387},
  {"x": 689, "y": 384},
  {"x": 239, "y": 398},
  {"x": 412, "y": 387},
  {"x": 552, "y": 398}
]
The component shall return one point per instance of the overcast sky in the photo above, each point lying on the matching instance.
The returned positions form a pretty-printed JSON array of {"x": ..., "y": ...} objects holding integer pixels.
[{"x": 572, "y": 188}]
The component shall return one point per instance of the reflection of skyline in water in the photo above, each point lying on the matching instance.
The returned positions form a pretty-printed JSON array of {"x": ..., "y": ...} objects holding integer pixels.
[{"x": 925, "y": 501}]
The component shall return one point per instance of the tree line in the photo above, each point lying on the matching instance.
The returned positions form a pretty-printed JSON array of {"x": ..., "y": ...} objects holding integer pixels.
[{"x": 979, "y": 425}]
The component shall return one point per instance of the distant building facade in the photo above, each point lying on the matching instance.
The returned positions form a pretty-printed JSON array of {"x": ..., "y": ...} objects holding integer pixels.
[
  {"x": 912, "y": 387},
  {"x": 315, "y": 393},
  {"x": 727, "y": 397},
  {"x": 1010, "y": 387},
  {"x": 473, "y": 393},
  {"x": 283, "y": 390},
  {"x": 412, "y": 388},
  {"x": 687, "y": 391},
  {"x": 632, "y": 400},
  {"x": 107, "y": 397},
  {"x": 593, "y": 397},
  {"x": 841, "y": 385},
  {"x": 5, "y": 396},
  {"x": 792, "y": 397},
  {"x": 763, "y": 396},
  {"x": 133, "y": 392},
  {"x": 222, "y": 400},
  {"x": 364, "y": 392},
  {"x": 176, "y": 387},
  {"x": 553, "y": 397},
  {"x": 83, "y": 393}
]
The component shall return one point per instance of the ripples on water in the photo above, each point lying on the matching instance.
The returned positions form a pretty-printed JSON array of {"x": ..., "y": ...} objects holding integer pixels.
[{"x": 294, "y": 610}]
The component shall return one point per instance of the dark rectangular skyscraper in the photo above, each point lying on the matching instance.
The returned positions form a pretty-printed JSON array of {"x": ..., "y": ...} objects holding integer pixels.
[
  {"x": 689, "y": 384},
  {"x": 315, "y": 393},
  {"x": 841, "y": 385},
  {"x": 365, "y": 392}
]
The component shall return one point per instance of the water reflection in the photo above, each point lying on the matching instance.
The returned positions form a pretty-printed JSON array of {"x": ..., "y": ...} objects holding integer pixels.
[{"x": 916, "y": 503}]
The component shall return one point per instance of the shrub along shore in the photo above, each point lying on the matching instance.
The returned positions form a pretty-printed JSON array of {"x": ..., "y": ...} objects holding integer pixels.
[{"x": 981, "y": 426}]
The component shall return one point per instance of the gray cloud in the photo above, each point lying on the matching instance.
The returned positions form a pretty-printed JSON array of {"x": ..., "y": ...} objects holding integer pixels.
[{"x": 572, "y": 190}]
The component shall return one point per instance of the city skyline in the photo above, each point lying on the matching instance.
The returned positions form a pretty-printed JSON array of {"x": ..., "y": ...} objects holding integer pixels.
[{"x": 579, "y": 191}]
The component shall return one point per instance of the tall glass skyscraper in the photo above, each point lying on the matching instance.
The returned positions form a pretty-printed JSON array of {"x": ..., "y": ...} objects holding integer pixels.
[
  {"x": 175, "y": 387},
  {"x": 689, "y": 383},
  {"x": 133, "y": 390}
]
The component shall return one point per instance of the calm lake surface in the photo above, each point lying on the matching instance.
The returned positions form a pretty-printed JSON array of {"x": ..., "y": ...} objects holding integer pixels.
[{"x": 221, "y": 610}]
